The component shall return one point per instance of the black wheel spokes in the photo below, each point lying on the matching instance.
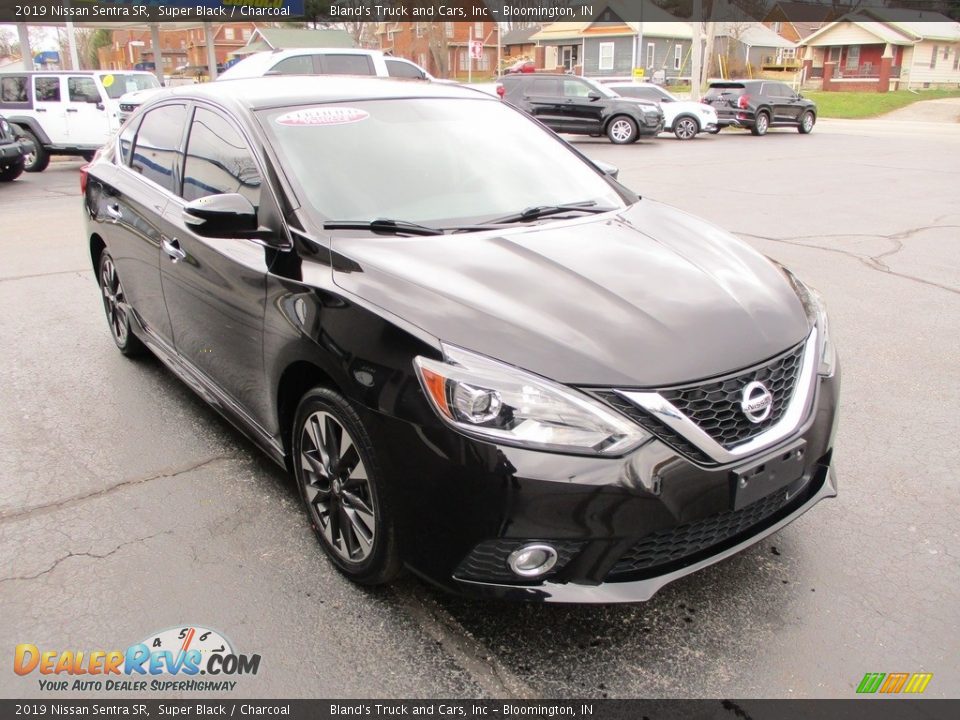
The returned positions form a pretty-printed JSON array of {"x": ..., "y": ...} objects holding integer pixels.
[
  {"x": 337, "y": 487},
  {"x": 113, "y": 300}
]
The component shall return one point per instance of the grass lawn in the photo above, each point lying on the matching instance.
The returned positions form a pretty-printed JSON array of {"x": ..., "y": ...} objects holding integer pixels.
[{"x": 870, "y": 104}]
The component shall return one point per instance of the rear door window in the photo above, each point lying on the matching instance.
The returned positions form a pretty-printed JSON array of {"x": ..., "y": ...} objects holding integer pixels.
[
  {"x": 297, "y": 65},
  {"x": 346, "y": 65},
  {"x": 544, "y": 86},
  {"x": 82, "y": 89},
  {"x": 218, "y": 160},
  {"x": 46, "y": 88},
  {"x": 156, "y": 154}
]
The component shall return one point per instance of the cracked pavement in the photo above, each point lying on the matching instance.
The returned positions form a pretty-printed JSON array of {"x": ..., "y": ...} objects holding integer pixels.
[{"x": 127, "y": 506}]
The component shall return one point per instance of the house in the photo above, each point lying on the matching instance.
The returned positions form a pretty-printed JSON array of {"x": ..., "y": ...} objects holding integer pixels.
[
  {"x": 658, "y": 46},
  {"x": 179, "y": 46},
  {"x": 518, "y": 43},
  {"x": 749, "y": 46},
  {"x": 281, "y": 38},
  {"x": 796, "y": 21},
  {"x": 884, "y": 48},
  {"x": 442, "y": 49}
]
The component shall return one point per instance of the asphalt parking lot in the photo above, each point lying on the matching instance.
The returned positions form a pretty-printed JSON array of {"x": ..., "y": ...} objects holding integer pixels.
[{"x": 127, "y": 506}]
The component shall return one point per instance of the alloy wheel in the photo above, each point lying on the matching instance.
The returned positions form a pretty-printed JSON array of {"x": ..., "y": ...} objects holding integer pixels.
[
  {"x": 761, "y": 123},
  {"x": 30, "y": 158},
  {"x": 686, "y": 129},
  {"x": 807, "y": 122},
  {"x": 337, "y": 487},
  {"x": 114, "y": 301},
  {"x": 621, "y": 130}
]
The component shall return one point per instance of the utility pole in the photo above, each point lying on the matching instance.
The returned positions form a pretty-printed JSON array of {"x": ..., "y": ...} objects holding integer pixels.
[
  {"x": 696, "y": 51},
  {"x": 470, "y": 54}
]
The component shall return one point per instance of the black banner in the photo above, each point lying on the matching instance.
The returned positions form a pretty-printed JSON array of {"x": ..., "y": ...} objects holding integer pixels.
[
  {"x": 512, "y": 11},
  {"x": 875, "y": 709}
]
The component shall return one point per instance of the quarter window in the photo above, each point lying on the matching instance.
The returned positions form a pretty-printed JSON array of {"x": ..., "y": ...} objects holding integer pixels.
[
  {"x": 13, "y": 89},
  {"x": 346, "y": 65},
  {"x": 606, "y": 56},
  {"x": 398, "y": 68},
  {"x": 156, "y": 154},
  {"x": 46, "y": 89},
  {"x": 82, "y": 89},
  {"x": 218, "y": 160},
  {"x": 297, "y": 65},
  {"x": 126, "y": 143}
]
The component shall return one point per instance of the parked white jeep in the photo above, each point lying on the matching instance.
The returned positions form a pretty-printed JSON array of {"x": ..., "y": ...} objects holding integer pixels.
[{"x": 67, "y": 113}]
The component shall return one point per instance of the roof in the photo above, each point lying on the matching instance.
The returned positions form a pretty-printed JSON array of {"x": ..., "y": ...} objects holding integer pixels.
[
  {"x": 801, "y": 12},
  {"x": 280, "y": 91},
  {"x": 287, "y": 38},
  {"x": 884, "y": 32},
  {"x": 921, "y": 23},
  {"x": 559, "y": 31},
  {"x": 520, "y": 36},
  {"x": 753, "y": 34}
]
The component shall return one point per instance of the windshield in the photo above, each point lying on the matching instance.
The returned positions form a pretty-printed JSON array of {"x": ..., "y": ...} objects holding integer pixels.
[
  {"x": 434, "y": 161},
  {"x": 117, "y": 84},
  {"x": 602, "y": 89}
]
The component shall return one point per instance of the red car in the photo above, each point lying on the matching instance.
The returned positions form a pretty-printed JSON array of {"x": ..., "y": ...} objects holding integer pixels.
[{"x": 521, "y": 66}]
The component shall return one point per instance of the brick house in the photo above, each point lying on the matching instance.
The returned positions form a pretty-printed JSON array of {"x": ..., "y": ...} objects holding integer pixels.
[
  {"x": 178, "y": 47},
  {"x": 442, "y": 49},
  {"x": 796, "y": 21},
  {"x": 885, "y": 49}
]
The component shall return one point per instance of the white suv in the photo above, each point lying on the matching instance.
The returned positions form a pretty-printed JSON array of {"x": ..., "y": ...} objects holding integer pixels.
[
  {"x": 305, "y": 61},
  {"x": 684, "y": 118},
  {"x": 67, "y": 113}
]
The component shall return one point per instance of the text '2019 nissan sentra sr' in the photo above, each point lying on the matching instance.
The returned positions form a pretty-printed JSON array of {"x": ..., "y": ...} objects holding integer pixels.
[{"x": 482, "y": 358}]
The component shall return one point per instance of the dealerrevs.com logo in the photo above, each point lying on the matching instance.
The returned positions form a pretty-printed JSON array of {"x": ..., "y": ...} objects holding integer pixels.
[{"x": 171, "y": 660}]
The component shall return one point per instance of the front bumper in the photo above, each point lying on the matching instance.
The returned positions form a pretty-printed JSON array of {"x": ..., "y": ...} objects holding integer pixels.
[
  {"x": 651, "y": 126},
  {"x": 464, "y": 506},
  {"x": 16, "y": 150}
]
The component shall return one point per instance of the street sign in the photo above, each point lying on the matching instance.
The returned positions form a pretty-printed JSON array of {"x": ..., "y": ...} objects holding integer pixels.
[{"x": 476, "y": 49}]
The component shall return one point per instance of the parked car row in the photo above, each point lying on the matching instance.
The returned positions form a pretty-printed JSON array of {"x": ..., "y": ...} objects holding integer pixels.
[{"x": 15, "y": 151}]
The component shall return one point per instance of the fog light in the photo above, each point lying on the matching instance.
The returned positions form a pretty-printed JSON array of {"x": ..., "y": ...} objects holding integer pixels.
[{"x": 532, "y": 560}]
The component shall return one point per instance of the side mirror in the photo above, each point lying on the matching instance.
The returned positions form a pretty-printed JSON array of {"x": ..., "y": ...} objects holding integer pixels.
[
  {"x": 607, "y": 168},
  {"x": 799, "y": 96},
  {"x": 222, "y": 216},
  {"x": 594, "y": 95}
]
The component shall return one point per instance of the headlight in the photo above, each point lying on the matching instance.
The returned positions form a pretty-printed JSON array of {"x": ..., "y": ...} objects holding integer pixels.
[
  {"x": 817, "y": 313},
  {"x": 498, "y": 402}
]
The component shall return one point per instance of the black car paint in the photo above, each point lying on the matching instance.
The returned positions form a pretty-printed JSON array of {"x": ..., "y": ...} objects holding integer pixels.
[
  {"x": 781, "y": 109},
  {"x": 13, "y": 146},
  {"x": 578, "y": 115},
  {"x": 351, "y": 312}
]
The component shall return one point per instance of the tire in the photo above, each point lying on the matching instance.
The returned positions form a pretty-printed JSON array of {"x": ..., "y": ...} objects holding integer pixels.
[
  {"x": 807, "y": 121},
  {"x": 622, "y": 130},
  {"x": 38, "y": 160},
  {"x": 686, "y": 127},
  {"x": 343, "y": 491},
  {"x": 761, "y": 124},
  {"x": 715, "y": 131},
  {"x": 12, "y": 172},
  {"x": 88, "y": 156},
  {"x": 115, "y": 307}
]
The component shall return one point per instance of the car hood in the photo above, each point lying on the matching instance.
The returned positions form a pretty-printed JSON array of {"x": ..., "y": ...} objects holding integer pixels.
[
  {"x": 139, "y": 96},
  {"x": 646, "y": 297}
]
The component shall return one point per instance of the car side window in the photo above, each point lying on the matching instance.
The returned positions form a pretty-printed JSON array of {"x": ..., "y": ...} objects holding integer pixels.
[
  {"x": 346, "y": 65},
  {"x": 786, "y": 91},
  {"x": 575, "y": 89},
  {"x": 218, "y": 160},
  {"x": 544, "y": 86},
  {"x": 297, "y": 65},
  {"x": 399, "y": 68},
  {"x": 127, "y": 136},
  {"x": 156, "y": 153},
  {"x": 82, "y": 89},
  {"x": 13, "y": 89},
  {"x": 46, "y": 89}
]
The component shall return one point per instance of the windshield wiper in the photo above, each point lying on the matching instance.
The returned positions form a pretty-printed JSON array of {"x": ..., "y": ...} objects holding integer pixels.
[
  {"x": 384, "y": 226},
  {"x": 540, "y": 211}
]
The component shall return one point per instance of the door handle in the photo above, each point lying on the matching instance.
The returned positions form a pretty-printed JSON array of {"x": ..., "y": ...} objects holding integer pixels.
[
  {"x": 41, "y": 109},
  {"x": 172, "y": 248},
  {"x": 72, "y": 110},
  {"x": 114, "y": 212}
]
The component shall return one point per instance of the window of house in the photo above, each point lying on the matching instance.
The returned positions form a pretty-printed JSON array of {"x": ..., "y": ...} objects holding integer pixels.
[
  {"x": 606, "y": 56},
  {"x": 478, "y": 31},
  {"x": 677, "y": 56},
  {"x": 218, "y": 160},
  {"x": 13, "y": 88},
  {"x": 853, "y": 57},
  {"x": 933, "y": 57},
  {"x": 82, "y": 89},
  {"x": 156, "y": 153},
  {"x": 418, "y": 29},
  {"x": 228, "y": 33},
  {"x": 463, "y": 59},
  {"x": 245, "y": 33},
  {"x": 651, "y": 54},
  {"x": 835, "y": 53},
  {"x": 946, "y": 52},
  {"x": 448, "y": 29},
  {"x": 46, "y": 89},
  {"x": 956, "y": 58},
  {"x": 422, "y": 60}
]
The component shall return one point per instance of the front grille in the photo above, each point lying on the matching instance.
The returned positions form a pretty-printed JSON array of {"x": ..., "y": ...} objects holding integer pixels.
[
  {"x": 714, "y": 406},
  {"x": 664, "y": 547},
  {"x": 488, "y": 560},
  {"x": 127, "y": 108}
]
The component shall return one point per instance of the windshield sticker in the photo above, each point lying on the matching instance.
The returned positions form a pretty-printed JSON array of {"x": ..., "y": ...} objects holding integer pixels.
[
  {"x": 107, "y": 80},
  {"x": 323, "y": 116}
]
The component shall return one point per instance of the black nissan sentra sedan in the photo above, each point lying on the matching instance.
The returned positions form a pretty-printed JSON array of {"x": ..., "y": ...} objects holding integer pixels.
[{"x": 482, "y": 358}]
